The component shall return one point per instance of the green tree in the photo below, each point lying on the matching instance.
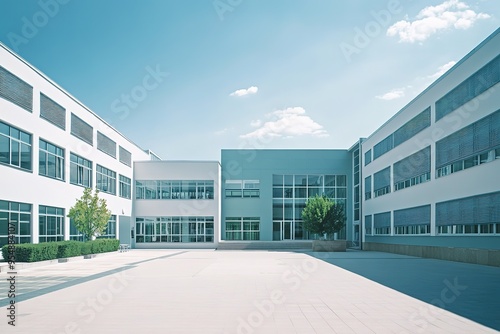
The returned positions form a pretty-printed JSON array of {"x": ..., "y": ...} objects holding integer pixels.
[
  {"x": 323, "y": 216},
  {"x": 90, "y": 214}
]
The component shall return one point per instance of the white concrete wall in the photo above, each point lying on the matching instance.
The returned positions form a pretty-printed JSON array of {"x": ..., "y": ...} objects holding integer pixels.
[{"x": 29, "y": 187}]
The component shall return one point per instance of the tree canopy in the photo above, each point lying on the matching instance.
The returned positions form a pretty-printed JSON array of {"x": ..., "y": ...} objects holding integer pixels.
[
  {"x": 90, "y": 214},
  {"x": 323, "y": 216}
]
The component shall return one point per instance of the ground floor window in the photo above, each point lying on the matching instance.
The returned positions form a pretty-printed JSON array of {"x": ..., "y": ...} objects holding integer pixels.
[
  {"x": 382, "y": 230},
  {"x": 50, "y": 223},
  {"x": 413, "y": 229},
  {"x": 469, "y": 229},
  {"x": 15, "y": 220},
  {"x": 74, "y": 234},
  {"x": 174, "y": 229},
  {"x": 110, "y": 231},
  {"x": 242, "y": 228}
]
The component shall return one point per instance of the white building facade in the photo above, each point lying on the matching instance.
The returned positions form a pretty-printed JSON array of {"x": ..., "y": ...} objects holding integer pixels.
[
  {"x": 431, "y": 174},
  {"x": 51, "y": 147}
]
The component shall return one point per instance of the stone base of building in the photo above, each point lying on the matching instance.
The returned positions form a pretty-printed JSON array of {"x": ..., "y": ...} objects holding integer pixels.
[
  {"x": 488, "y": 257},
  {"x": 329, "y": 246}
]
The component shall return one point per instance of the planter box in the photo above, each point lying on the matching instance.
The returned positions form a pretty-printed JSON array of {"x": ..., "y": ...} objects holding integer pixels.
[{"x": 329, "y": 245}]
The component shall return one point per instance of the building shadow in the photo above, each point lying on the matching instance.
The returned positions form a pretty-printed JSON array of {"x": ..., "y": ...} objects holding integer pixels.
[{"x": 469, "y": 290}]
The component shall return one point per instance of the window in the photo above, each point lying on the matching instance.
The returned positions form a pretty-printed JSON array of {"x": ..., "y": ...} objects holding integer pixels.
[
  {"x": 290, "y": 193},
  {"x": 416, "y": 220},
  {"x": 15, "y": 147},
  {"x": 74, "y": 234},
  {"x": 243, "y": 228},
  {"x": 110, "y": 231},
  {"x": 52, "y": 112},
  {"x": 174, "y": 229},
  {"x": 15, "y": 90},
  {"x": 51, "y": 160},
  {"x": 106, "y": 145},
  {"x": 50, "y": 223},
  {"x": 170, "y": 189},
  {"x": 368, "y": 225},
  {"x": 476, "y": 84},
  {"x": 382, "y": 223},
  {"x": 368, "y": 157},
  {"x": 242, "y": 188},
  {"x": 469, "y": 215},
  {"x": 412, "y": 127},
  {"x": 468, "y": 147},
  {"x": 413, "y": 169},
  {"x": 15, "y": 220},
  {"x": 82, "y": 130},
  {"x": 368, "y": 187},
  {"x": 383, "y": 146},
  {"x": 80, "y": 171},
  {"x": 382, "y": 182},
  {"x": 125, "y": 187},
  {"x": 106, "y": 180},
  {"x": 125, "y": 156}
]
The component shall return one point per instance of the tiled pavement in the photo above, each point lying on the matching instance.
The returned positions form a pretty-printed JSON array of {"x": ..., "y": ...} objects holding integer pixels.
[{"x": 175, "y": 291}]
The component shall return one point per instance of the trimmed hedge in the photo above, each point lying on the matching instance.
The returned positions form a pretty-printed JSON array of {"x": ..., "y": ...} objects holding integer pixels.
[
  {"x": 61, "y": 249},
  {"x": 69, "y": 248}
]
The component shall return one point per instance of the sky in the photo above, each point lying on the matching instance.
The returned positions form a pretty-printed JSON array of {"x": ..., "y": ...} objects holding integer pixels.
[{"x": 186, "y": 79}]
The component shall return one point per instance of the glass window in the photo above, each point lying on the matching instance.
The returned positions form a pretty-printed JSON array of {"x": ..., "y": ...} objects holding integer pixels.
[
  {"x": 125, "y": 187},
  {"x": 15, "y": 147},
  {"x": 51, "y": 223},
  {"x": 110, "y": 231},
  {"x": 80, "y": 171},
  {"x": 15, "y": 219},
  {"x": 175, "y": 229},
  {"x": 106, "y": 180},
  {"x": 51, "y": 160},
  {"x": 242, "y": 188}
]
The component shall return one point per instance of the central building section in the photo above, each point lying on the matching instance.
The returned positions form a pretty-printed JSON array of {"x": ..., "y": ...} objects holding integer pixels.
[{"x": 264, "y": 191}]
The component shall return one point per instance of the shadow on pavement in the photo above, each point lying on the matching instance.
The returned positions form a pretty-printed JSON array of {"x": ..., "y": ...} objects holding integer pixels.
[{"x": 469, "y": 290}]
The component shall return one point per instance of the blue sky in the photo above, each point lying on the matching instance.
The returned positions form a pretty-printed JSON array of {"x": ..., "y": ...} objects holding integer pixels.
[{"x": 188, "y": 78}]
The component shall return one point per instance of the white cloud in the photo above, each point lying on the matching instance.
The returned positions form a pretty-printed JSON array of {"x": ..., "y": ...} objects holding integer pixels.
[
  {"x": 442, "y": 69},
  {"x": 392, "y": 95},
  {"x": 449, "y": 14},
  {"x": 288, "y": 123},
  {"x": 243, "y": 92}
]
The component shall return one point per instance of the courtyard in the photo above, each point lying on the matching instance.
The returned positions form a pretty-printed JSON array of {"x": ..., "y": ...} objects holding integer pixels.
[{"x": 207, "y": 291}]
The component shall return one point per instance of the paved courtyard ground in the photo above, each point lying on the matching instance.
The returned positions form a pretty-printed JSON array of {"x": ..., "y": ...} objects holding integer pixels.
[{"x": 206, "y": 291}]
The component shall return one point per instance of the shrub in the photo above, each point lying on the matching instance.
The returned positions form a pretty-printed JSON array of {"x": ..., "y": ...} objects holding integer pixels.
[
  {"x": 61, "y": 249},
  {"x": 5, "y": 252},
  {"x": 32, "y": 252},
  {"x": 104, "y": 245},
  {"x": 69, "y": 248},
  {"x": 86, "y": 248}
]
